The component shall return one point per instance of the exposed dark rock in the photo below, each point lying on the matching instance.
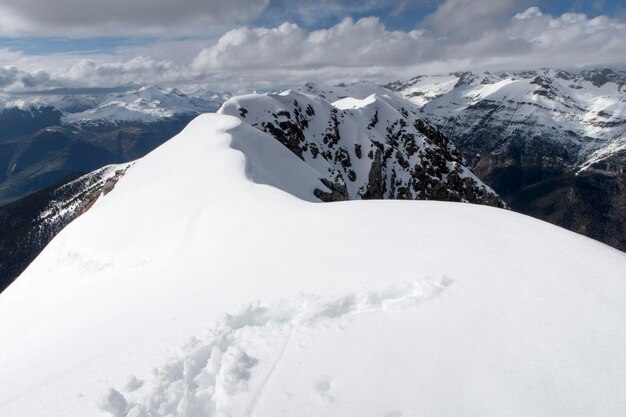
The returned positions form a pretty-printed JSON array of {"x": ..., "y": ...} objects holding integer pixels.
[
  {"x": 408, "y": 158},
  {"x": 375, "y": 184},
  {"x": 338, "y": 192},
  {"x": 374, "y": 121}
]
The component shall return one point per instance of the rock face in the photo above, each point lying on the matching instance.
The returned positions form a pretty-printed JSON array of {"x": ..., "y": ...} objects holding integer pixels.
[
  {"x": 29, "y": 224},
  {"x": 375, "y": 148},
  {"x": 550, "y": 142}
]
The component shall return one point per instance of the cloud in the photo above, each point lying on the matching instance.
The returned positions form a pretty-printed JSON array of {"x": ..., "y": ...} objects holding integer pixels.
[
  {"x": 12, "y": 77},
  {"x": 352, "y": 49},
  {"x": 466, "y": 17},
  {"x": 310, "y": 12},
  {"x": 506, "y": 41},
  {"x": 137, "y": 70},
  {"x": 69, "y": 17},
  {"x": 365, "y": 42}
]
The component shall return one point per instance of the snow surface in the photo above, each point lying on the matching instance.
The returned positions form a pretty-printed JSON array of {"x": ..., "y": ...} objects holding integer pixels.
[
  {"x": 336, "y": 92},
  {"x": 354, "y": 103},
  {"x": 202, "y": 286}
]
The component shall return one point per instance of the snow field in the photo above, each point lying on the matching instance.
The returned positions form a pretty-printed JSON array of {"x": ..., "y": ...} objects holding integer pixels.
[{"x": 347, "y": 322}]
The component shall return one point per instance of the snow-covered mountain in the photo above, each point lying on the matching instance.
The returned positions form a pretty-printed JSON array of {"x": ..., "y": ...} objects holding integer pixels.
[
  {"x": 46, "y": 138},
  {"x": 581, "y": 116},
  {"x": 207, "y": 282},
  {"x": 146, "y": 104},
  {"x": 372, "y": 148},
  {"x": 550, "y": 142},
  {"x": 332, "y": 93}
]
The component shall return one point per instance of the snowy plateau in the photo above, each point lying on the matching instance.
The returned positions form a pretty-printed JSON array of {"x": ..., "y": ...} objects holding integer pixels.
[{"x": 210, "y": 281}]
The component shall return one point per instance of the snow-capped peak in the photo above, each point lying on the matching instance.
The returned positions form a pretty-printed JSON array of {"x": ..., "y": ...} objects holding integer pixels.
[
  {"x": 377, "y": 147},
  {"x": 146, "y": 104}
]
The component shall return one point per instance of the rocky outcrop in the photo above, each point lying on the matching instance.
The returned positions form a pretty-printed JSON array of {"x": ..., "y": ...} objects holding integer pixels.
[{"x": 377, "y": 148}]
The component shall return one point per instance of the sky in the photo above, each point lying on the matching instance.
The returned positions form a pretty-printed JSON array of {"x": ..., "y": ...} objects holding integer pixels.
[{"x": 242, "y": 44}]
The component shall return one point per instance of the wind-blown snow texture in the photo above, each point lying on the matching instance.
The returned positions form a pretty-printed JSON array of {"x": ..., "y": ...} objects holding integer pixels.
[{"x": 197, "y": 288}]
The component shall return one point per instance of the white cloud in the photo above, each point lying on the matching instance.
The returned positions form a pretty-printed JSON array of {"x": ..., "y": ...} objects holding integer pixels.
[
  {"x": 362, "y": 49},
  {"x": 71, "y": 17},
  {"x": 365, "y": 42},
  {"x": 93, "y": 73},
  {"x": 526, "y": 39},
  {"x": 462, "y": 18},
  {"x": 313, "y": 11}
]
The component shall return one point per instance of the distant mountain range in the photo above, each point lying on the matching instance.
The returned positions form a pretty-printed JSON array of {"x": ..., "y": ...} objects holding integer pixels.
[{"x": 45, "y": 138}]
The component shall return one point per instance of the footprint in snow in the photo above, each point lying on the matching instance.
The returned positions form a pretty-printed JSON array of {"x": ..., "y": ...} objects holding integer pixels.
[{"x": 212, "y": 376}]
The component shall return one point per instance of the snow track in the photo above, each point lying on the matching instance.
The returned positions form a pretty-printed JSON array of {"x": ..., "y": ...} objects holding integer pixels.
[{"x": 225, "y": 373}]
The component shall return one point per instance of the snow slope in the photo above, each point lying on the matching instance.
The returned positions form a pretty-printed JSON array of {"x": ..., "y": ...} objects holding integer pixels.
[{"x": 202, "y": 286}]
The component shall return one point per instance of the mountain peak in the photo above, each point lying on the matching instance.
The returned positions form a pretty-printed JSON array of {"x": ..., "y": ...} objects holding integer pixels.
[{"x": 372, "y": 148}]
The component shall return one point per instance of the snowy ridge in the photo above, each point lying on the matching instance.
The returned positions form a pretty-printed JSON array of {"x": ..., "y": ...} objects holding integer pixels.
[
  {"x": 147, "y": 104},
  {"x": 347, "y": 321},
  {"x": 550, "y": 142}
]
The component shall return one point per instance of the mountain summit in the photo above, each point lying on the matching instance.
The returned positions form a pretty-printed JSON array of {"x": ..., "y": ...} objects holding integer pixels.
[{"x": 374, "y": 148}]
